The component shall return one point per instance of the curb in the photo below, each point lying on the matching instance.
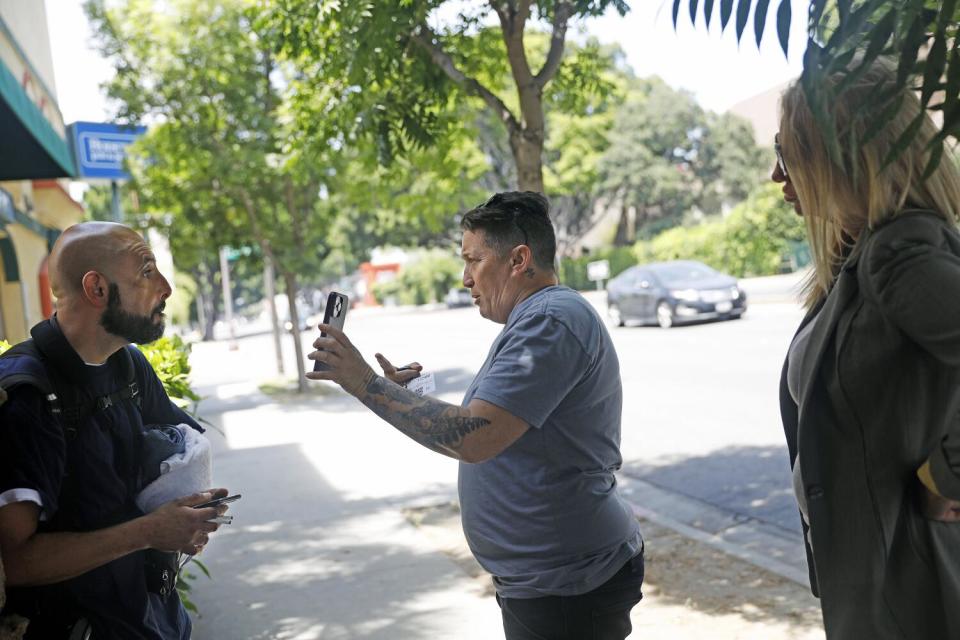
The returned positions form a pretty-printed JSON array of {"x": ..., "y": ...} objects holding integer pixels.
[{"x": 766, "y": 546}]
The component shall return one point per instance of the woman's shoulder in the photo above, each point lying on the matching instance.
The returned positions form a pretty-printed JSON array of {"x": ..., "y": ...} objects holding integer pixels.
[
  {"x": 907, "y": 239},
  {"x": 914, "y": 226}
]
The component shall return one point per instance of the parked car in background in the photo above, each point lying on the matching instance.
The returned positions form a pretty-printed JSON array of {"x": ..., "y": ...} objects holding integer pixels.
[
  {"x": 669, "y": 293},
  {"x": 458, "y": 297}
]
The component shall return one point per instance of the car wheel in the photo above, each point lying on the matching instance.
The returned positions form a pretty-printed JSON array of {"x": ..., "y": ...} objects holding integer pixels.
[
  {"x": 664, "y": 315},
  {"x": 616, "y": 318}
]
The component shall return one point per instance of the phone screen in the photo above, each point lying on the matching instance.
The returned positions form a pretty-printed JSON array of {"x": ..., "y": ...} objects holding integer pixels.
[{"x": 335, "y": 314}]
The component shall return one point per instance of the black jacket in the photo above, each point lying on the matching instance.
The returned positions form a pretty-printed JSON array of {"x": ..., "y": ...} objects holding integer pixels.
[{"x": 882, "y": 396}]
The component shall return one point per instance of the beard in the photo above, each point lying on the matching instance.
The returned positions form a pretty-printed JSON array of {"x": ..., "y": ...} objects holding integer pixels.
[{"x": 129, "y": 326}]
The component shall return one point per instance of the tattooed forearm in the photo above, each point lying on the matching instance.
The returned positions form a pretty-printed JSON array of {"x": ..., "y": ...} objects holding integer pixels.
[{"x": 436, "y": 425}]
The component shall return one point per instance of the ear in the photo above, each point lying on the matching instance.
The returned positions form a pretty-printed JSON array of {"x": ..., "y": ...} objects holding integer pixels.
[
  {"x": 96, "y": 288},
  {"x": 521, "y": 259}
]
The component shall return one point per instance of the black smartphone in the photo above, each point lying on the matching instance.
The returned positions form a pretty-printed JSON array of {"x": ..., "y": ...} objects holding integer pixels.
[
  {"x": 334, "y": 315},
  {"x": 217, "y": 502}
]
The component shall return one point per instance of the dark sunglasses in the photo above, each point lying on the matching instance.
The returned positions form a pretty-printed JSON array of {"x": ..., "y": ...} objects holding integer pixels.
[{"x": 780, "y": 161}]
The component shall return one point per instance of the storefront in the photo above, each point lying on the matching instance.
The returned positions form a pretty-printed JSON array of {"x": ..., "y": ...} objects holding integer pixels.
[{"x": 34, "y": 153}]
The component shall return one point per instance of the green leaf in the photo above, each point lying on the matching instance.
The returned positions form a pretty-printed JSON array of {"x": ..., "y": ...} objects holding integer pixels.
[
  {"x": 853, "y": 149},
  {"x": 760, "y": 19},
  {"x": 815, "y": 14},
  {"x": 933, "y": 68},
  {"x": 784, "y": 15},
  {"x": 726, "y": 10},
  {"x": 916, "y": 37},
  {"x": 880, "y": 120},
  {"x": 676, "y": 12},
  {"x": 905, "y": 138},
  {"x": 743, "y": 14},
  {"x": 693, "y": 11},
  {"x": 936, "y": 154},
  {"x": 202, "y": 567},
  {"x": 707, "y": 12},
  {"x": 878, "y": 38},
  {"x": 951, "y": 106},
  {"x": 947, "y": 15}
]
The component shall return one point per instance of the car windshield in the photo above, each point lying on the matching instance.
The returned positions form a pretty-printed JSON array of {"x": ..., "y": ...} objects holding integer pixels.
[{"x": 684, "y": 272}]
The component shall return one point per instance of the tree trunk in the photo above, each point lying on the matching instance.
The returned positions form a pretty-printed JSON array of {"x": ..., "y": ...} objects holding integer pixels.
[
  {"x": 211, "y": 297},
  {"x": 527, "y": 147},
  {"x": 290, "y": 281},
  {"x": 622, "y": 237}
]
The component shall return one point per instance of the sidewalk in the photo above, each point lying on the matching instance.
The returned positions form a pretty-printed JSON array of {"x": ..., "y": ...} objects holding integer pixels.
[{"x": 346, "y": 530}]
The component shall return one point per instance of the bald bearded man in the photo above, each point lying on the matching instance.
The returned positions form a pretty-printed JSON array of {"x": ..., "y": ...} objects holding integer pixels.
[{"x": 78, "y": 553}]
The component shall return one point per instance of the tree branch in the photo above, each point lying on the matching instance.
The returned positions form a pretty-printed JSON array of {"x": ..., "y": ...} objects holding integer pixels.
[
  {"x": 426, "y": 39},
  {"x": 561, "y": 17},
  {"x": 513, "y": 21}
]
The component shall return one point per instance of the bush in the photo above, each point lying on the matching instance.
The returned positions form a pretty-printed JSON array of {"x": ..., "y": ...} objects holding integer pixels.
[
  {"x": 756, "y": 239},
  {"x": 426, "y": 279},
  {"x": 170, "y": 358},
  {"x": 573, "y": 271}
]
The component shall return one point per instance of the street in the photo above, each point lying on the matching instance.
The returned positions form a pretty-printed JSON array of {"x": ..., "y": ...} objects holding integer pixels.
[{"x": 326, "y": 483}]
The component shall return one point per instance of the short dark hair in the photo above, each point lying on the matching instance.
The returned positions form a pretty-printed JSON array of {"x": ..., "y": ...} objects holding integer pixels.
[{"x": 513, "y": 218}]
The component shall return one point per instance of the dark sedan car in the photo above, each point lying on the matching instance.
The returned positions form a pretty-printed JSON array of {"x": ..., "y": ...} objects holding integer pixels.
[{"x": 668, "y": 293}]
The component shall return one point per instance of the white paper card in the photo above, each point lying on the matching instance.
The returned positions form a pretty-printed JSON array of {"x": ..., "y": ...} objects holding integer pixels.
[{"x": 423, "y": 385}]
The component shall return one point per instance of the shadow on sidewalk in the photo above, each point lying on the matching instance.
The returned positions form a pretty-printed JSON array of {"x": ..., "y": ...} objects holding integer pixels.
[
  {"x": 748, "y": 482},
  {"x": 301, "y": 561},
  {"x": 323, "y": 396}
]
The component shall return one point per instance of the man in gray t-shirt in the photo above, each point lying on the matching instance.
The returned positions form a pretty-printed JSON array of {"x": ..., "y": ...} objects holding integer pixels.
[{"x": 537, "y": 434}]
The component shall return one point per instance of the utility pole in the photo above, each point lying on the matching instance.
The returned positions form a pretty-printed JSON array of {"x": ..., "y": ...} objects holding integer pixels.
[
  {"x": 227, "y": 297},
  {"x": 269, "y": 282}
]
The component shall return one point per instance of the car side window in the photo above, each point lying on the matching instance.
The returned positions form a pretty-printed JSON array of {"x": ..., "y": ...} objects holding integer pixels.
[
  {"x": 643, "y": 279},
  {"x": 626, "y": 279}
]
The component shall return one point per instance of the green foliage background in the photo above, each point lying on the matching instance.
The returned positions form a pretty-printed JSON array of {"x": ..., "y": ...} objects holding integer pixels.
[
  {"x": 170, "y": 358},
  {"x": 753, "y": 240},
  {"x": 573, "y": 271},
  {"x": 426, "y": 280}
]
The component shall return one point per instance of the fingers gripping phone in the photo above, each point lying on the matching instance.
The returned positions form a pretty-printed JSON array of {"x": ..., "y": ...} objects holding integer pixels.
[
  {"x": 334, "y": 315},
  {"x": 216, "y": 502}
]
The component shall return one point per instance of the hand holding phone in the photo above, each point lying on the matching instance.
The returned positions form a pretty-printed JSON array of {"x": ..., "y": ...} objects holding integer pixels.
[
  {"x": 334, "y": 315},
  {"x": 216, "y": 502}
]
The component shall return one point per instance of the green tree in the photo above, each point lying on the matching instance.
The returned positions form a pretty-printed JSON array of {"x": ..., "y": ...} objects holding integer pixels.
[
  {"x": 404, "y": 90},
  {"x": 922, "y": 35},
  {"x": 204, "y": 72},
  {"x": 670, "y": 156},
  {"x": 753, "y": 240}
]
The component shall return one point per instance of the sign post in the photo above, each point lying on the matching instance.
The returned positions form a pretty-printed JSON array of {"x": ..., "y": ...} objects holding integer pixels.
[{"x": 598, "y": 271}]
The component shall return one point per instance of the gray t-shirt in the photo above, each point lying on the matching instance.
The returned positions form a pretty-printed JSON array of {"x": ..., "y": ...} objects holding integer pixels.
[{"x": 545, "y": 517}]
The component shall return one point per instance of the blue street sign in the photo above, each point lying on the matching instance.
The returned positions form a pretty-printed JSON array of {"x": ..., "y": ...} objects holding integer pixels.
[{"x": 100, "y": 148}]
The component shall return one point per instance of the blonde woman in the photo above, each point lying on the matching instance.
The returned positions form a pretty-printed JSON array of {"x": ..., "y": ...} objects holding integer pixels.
[{"x": 870, "y": 392}]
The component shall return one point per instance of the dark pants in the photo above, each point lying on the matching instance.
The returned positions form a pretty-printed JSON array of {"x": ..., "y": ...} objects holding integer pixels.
[{"x": 601, "y": 614}]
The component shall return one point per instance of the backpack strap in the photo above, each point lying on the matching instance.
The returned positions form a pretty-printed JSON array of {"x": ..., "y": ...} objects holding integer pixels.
[
  {"x": 131, "y": 391},
  {"x": 64, "y": 397},
  {"x": 35, "y": 378}
]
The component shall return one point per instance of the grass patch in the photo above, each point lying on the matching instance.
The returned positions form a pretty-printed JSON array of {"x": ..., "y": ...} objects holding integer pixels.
[{"x": 287, "y": 388}]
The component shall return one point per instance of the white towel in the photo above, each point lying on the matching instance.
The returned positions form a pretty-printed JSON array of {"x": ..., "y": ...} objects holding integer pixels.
[{"x": 181, "y": 474}]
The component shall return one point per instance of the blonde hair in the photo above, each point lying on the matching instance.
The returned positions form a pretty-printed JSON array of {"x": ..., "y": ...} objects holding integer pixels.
[{"x": 840, "y": 202}]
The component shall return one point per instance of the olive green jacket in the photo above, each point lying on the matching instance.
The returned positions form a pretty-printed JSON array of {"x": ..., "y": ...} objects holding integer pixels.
[{"x": 881, "y": 398}]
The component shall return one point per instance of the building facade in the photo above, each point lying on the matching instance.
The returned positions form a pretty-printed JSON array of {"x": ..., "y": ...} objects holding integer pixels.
[{"x": 35, "y": 162}]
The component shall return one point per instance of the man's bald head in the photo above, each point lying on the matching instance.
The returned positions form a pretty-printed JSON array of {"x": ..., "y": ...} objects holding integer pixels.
[{"x": 90, "y": 246}]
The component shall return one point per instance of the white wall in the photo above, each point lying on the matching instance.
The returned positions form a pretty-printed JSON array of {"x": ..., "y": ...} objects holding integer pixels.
[{"x": 27, "y": 19}]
